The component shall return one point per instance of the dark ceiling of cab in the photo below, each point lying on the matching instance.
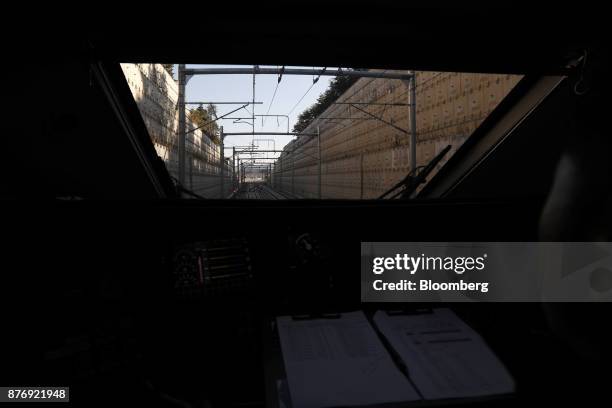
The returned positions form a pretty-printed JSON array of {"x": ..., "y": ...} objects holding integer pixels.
[
  {"x": 376, "y": 34},
  {"x": 373, "y": 34}
]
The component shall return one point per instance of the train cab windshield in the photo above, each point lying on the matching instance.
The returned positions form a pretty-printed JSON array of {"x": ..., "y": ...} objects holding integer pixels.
[{"x": 283, "y": 132}]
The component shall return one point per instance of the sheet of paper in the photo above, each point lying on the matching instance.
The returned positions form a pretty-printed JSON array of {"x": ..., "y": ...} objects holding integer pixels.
[
  {"x": 445, "y": 357},
  {"x": 339, "y": 362}
]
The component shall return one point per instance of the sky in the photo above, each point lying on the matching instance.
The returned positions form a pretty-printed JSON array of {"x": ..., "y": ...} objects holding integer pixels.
[{"x": 240, "y": 88}]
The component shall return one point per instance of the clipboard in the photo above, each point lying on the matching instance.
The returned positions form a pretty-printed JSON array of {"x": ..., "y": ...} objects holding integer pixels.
[{"x": 276, "y": 375}]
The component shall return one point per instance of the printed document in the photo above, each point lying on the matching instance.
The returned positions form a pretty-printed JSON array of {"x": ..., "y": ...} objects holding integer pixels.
[
  {"x": 340, "y": 361},
  {"x": 445, "y": 357}
]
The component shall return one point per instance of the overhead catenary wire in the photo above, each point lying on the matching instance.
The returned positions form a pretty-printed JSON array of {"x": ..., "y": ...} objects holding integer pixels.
[
  {"x": 308, "y": 90},
  {"x": 270, "y": 106},
  {"x": 348, "y": 102},
  {"x": 304, "y": 142},
  {"x": 212, "y": 121},
  {"x": 280, "y": 76},
  {"x": 353, "y": 94},
  {"x": 300, "y": 100},
  {"x": 315, "y": 80},
  {"x": 381, "y": 119},
  {"x": 418, "y": 92}
]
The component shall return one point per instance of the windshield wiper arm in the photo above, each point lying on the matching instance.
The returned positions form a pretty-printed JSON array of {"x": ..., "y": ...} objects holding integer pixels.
[{"x": 411, "y": 182}]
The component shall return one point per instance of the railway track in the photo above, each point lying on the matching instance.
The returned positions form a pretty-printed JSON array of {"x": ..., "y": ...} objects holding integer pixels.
[{"x": 260, "y": 191}]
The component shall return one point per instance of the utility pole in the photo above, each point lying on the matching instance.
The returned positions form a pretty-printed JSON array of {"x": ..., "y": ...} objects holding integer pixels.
[
  {"x": 255, "y": 67},
  {"x": 233, "y": 165},
  {"x": 413, "y": 128},
  {"x": 222, "y": 162},
  {"x": 293, "y": 173},
  {"x": 181, "y": 123},
  {"x": 319, "y": 155}
]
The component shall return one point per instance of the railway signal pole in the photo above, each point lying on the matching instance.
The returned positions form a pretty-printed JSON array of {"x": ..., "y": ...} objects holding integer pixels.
[
  {"x": 233, "y": 166},
  {"x": 181, "y": 123},
  {"x": 222, "y": 160}
]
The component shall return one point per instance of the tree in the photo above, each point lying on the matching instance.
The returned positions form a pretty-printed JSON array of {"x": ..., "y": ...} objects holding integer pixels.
[
  {"x": 203, "y": 117},
  {"x": 212, "y": 111},
  {"x": 337, "y": 87}
]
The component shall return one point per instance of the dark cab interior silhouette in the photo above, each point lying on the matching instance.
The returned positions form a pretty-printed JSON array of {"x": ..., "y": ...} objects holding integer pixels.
[{"x": 94, "y": 227}]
